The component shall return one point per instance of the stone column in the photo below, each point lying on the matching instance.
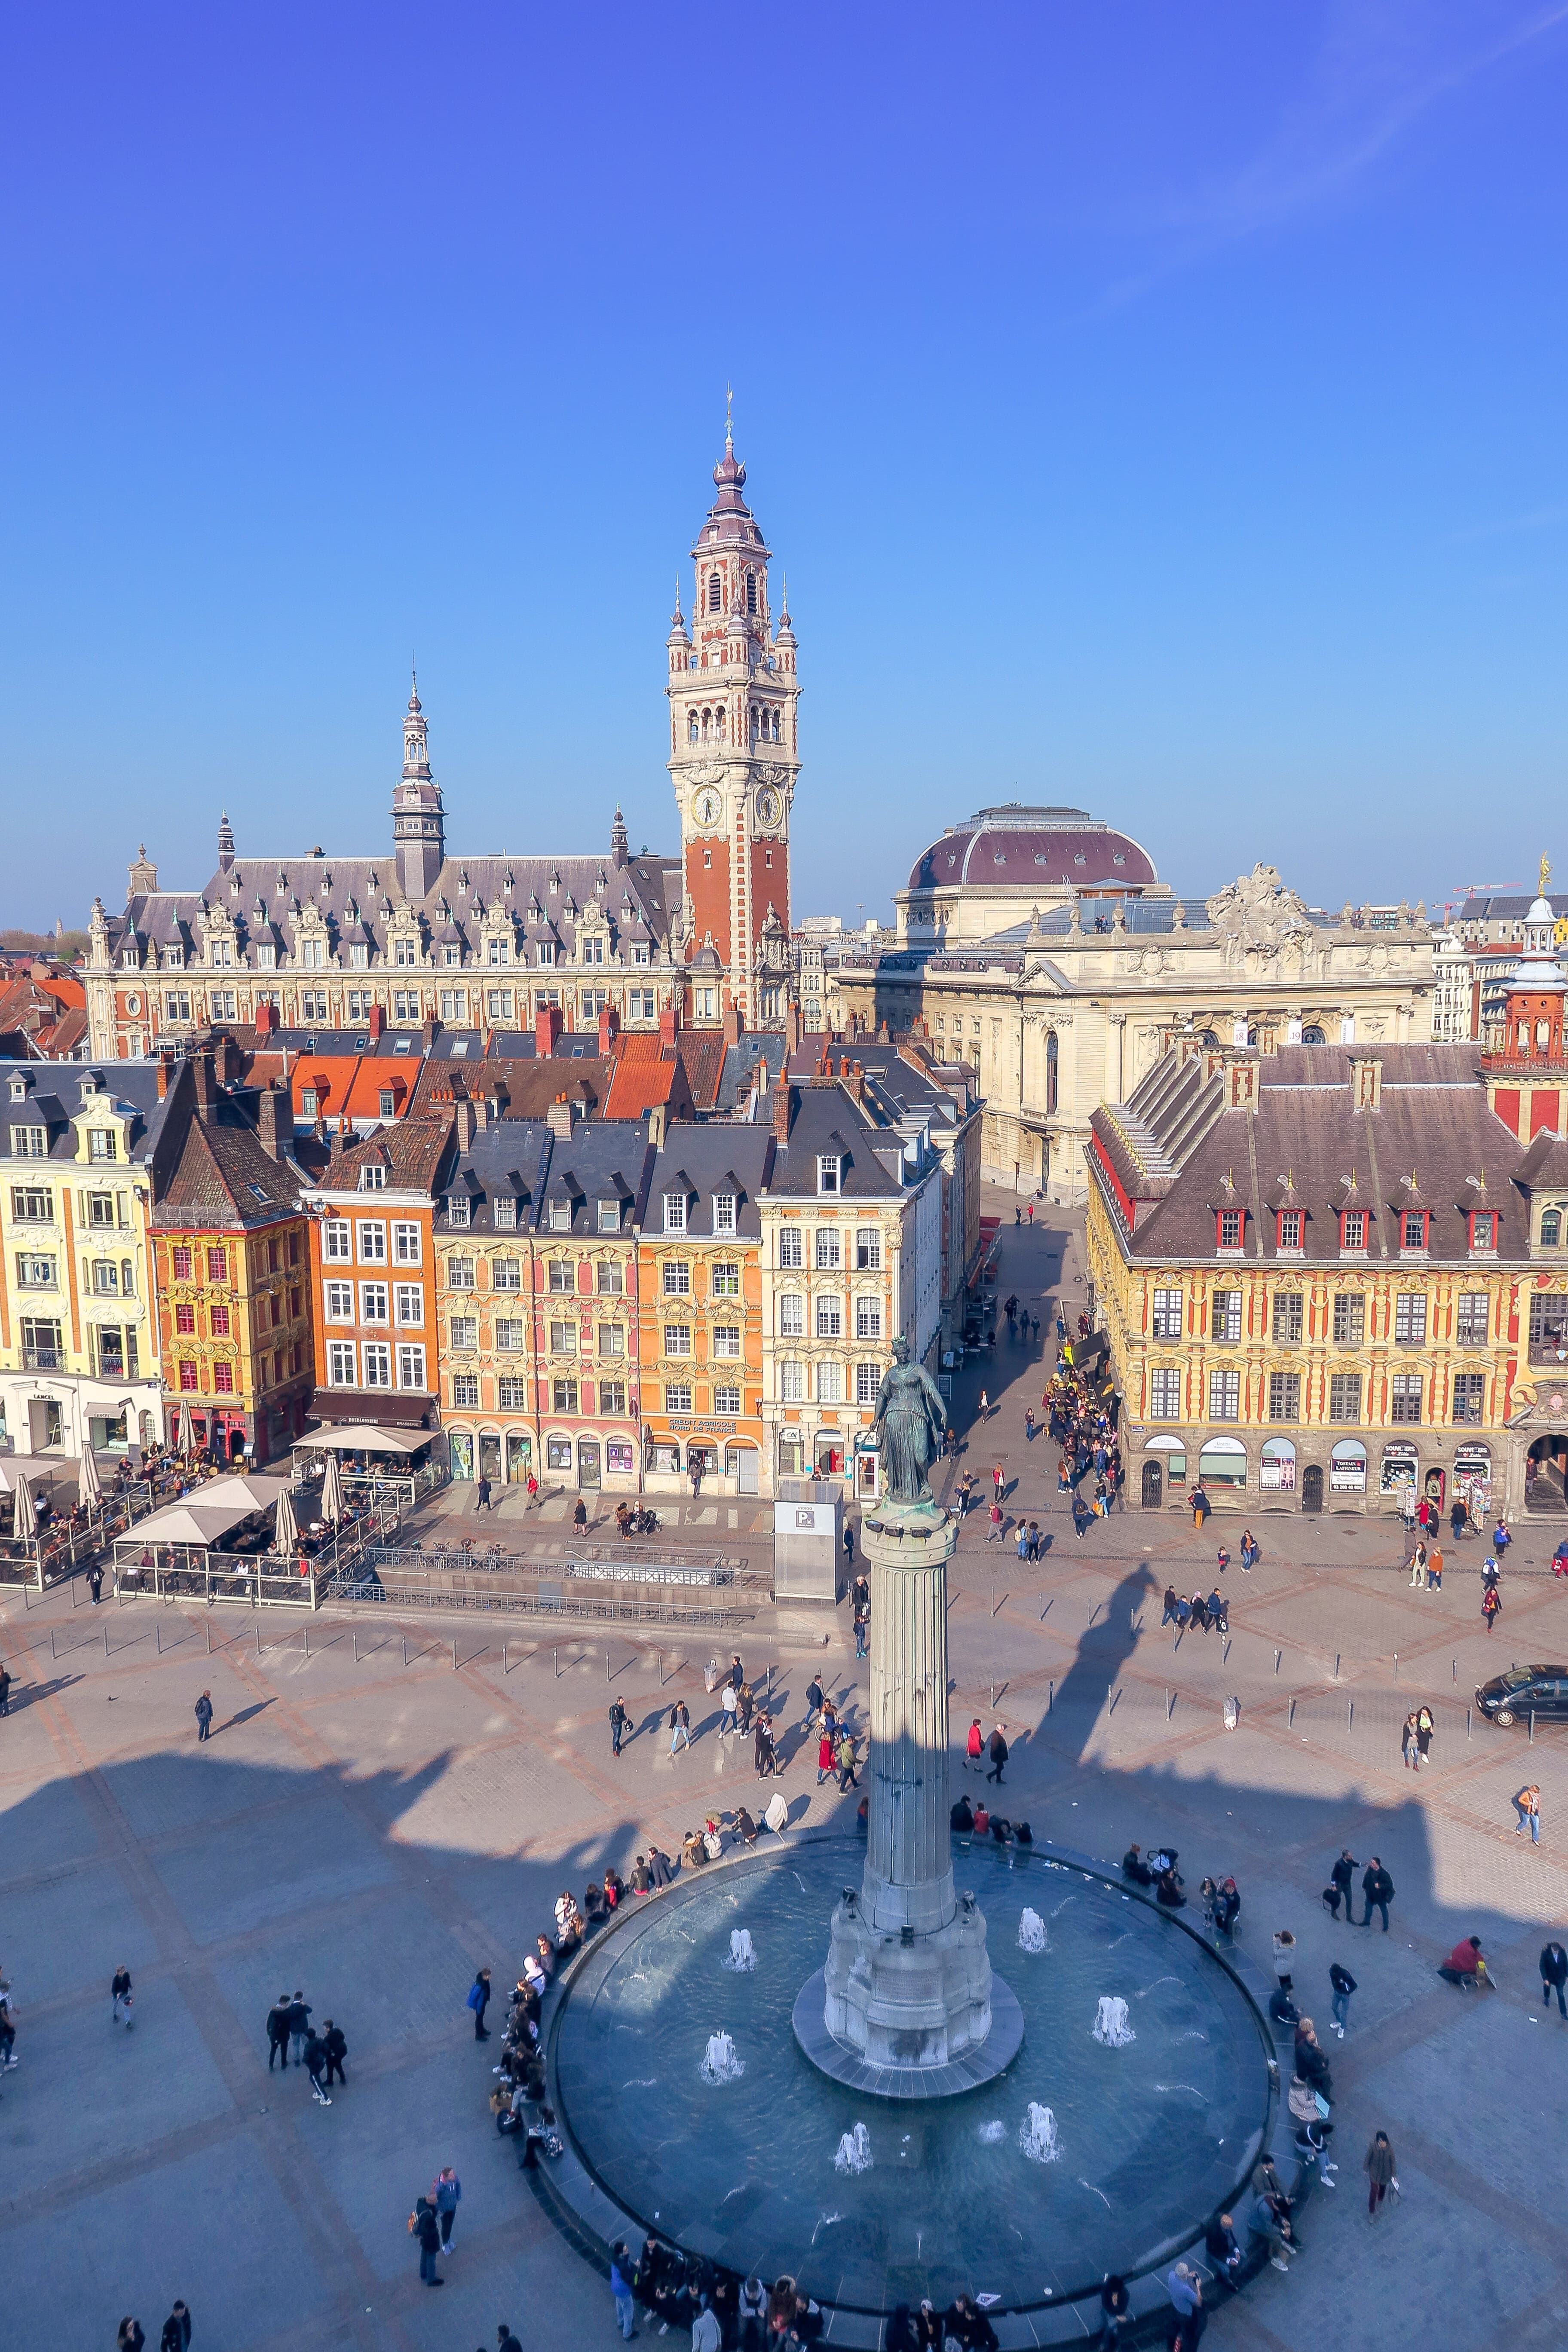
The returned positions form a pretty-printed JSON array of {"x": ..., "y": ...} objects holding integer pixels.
[{"x": 909, "y": 1859}]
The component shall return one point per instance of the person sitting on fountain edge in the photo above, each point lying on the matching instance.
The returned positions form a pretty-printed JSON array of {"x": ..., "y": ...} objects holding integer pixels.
[
  {"x": 1135, "y": 1867},
  {"x": 962, "y": 1817}
]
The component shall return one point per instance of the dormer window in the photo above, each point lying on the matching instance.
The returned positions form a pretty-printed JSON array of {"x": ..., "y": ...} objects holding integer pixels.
[
  {"x": 1483, "y": 1229},
  {"x": 723, "y": 1212},
  {"x": 1551, "y": 1228},
  {"x": 18, "y": 1089},
  {"x": 103, "y": 1143},
  {"x": 827, "y": 1172},
  {"x": 130, "y": 960},
  {"x": 1413, "y": 1229},
  {"x": 373, "y": 1178},
  {"x": 1229, "y": 1229},
  {"x": 675, "y": 1212},
  {"x": 1352, "y": 1229},
  {"x": 609, "y": 1216},
  {"x": 457, "y": 1209},
  {"x": 1290, "y": 1229}
]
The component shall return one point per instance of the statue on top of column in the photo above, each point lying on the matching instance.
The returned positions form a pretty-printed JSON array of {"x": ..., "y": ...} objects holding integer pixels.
[{"x": 909, "y": 1419}]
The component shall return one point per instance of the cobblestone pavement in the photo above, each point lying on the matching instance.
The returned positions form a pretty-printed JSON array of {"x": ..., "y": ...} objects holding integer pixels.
[{"x": 373, "y": 1831}]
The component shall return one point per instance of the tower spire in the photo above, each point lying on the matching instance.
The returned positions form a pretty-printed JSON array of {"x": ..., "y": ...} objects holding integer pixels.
[{"x": 729, "y": 419}]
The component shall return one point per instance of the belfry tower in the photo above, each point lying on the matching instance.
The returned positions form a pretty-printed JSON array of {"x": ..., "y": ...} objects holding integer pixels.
[{"x": 733, "y": 759}]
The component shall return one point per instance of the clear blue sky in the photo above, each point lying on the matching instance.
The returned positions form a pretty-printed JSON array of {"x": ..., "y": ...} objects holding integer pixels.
[{"x": 1156, "y": 408}]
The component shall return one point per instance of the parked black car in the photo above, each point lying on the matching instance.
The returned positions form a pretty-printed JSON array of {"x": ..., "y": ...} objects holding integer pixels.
[{"x": 1524, "y": 1691}]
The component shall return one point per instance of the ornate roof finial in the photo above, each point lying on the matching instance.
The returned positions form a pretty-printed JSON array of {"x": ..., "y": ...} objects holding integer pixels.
[
  {"x": 729, "y": 419},
  {"x": 1545, "y": 875},
  {"x": 414, "y": 703}
]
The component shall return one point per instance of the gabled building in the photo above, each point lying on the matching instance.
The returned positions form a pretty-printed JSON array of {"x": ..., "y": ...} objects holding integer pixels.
[
  {"x": 231, "y": 1256},
  {"x": 1324, "y": 1275},
  {"x": 373, "y": 1272},
  {"x": 701, "y": 1320},
  {"x": 84, "y": 1151}
]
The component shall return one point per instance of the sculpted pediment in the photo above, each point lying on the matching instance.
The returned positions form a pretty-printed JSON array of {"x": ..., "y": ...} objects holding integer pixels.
[{"x": 1256, "y": 911}]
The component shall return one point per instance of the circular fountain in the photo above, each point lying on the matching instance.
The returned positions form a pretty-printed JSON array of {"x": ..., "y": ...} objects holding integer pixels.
[{"x": 1030, "y": 2139}]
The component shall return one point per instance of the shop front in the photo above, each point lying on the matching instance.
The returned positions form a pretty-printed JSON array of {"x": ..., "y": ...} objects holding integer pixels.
[
  {"x": 1347, "y": 1467},
  {"x": 1398, "y": 1472},
  {"x": 1221, "y": 1469},
  {"x": 1277, "y": 1472},
  {"x": 1165, "y": 1472}
]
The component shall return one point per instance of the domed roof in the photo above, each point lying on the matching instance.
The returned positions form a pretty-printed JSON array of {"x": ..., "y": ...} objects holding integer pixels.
[{"x": 1018, "y": 848}]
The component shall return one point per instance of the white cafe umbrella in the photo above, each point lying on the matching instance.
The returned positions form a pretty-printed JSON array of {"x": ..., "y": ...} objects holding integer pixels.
[
  {"x": 287, "y": 1535},
  {"x": 186, "y": 1436},
  {"x": 333, "y": 1490},
  {"x": 89, "y": 1487},
  {"x": 25, "y": 1525}
]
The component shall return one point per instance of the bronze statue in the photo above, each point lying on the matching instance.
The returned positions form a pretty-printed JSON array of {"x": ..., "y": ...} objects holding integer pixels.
[{"x": 910, "y": 1417}]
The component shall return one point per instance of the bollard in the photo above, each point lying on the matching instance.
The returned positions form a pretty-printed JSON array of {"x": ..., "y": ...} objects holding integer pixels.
[
  {"x": 306, "y": 1641},
  {"x": 1396, "y": 1666},
  {"x": 158, "y": 1630},
  {"x": 1350, "y": 1715},
  {"x": 1466, "y": 1723},
  {"x": 106, "y": 1641},
  {"x": 1532, "y": 1727},
  {"x": 554, "y": 1669},
  {"x": 1455, "y": 1670},
  {"x": 51, "y": 1641},
  {"x": 1050, "y": 1698},
  {"x": 606, "y": 1666},
  {"x": 405, "y": 1649},
  {"x": 259, "y": 1641},
  {"x": 209, "y": 1624},
  {"x": 1291, "y": 1719},
  {"x": 1277, "y": 1655},
  {"x": 1336, "y": 1666}
]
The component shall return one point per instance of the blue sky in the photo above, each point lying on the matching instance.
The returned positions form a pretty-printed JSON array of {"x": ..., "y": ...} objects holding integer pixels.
[{"x": 1155, "y": 409}]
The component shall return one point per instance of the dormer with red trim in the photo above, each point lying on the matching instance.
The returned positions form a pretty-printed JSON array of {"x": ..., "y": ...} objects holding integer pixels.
[
  {"x": 1290, "y": 1217},
  {"x": 1230, "y": 1219},
  {"x": 1353, "y": 1207},
  {"x": 1481, "y": 1220},
  {"x": 1413, "y": 1217}
]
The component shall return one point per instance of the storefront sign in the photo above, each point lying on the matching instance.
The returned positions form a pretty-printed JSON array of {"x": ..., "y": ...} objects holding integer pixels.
[{"x": 703, "y": 1428}]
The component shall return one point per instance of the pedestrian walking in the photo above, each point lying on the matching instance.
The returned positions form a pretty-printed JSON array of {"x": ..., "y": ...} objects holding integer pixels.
[
  {"x": 1419, "y": 1568},
  {"x": 1553, "y": 1978},
  {"x": 621, "y": 2289},
  {"x": 1343, "y": 1985},
  {"x": 845, "y": 1759},
  {"x": 119, "y": 1996},
  {"x": 446, "y": 2195},
  {"x": 1407, "y": 1742},
  {"x": 729, "y": 1700},
  {"x": 337, "y": 2050},
  {"x": 316, "y": 2066},
  {"x": 993, "y": 1533},
  {"x": 998, "y": 1480},
  {"x": 5, "y": 1690},
  {"x": 95, "y": 1584},
  {"x": 813, "y": 1700},
  {"x": 618, "y": 1721},
  {"x": 984, "y": 1411},
  {"x": 848, "y": 1545},
  {"x": 1378, "y": 1889},
  {"x": 204, "y": 1715},
  {"x": 277, "y": 2032},
  {"x": 973, "y": 1745},
  {"x": 1029, "y": 1427},
  {"x": 8, "y": 2029},
  {"x": 1338, "y": 1890},
  {"x": 862, "y": 1632},
  {"x": 479, "y": 2001},
  {"x": 1380, "y": 2174},
  {"x": 482, "y": 1493},
  {"x": 1527, "y": 1805},
  {"x": 129, "y": 2337},
  {"x": 998, "y": 1754},
  {"x": 1492, "y": 1606},
  {"x": 176, "y": 2335},
  {"x": 1424, "y": 1728},
  {"x": 1434, "y": 1568},
  {"x": 299, "y": 2024},
  {"x": 1200, "y": 1502},
  {"x": 679, "y": 1724},
  {"x": 824, "y": 1757},
  {"x": 422, "y": 2222}
]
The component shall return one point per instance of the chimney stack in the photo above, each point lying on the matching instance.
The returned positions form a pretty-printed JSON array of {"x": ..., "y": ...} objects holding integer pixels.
[
  {"x": 465, "y": 1125},
  {"x": 163, "y": 1077},
  {"x": 270, "y": 1121},
  {"x": 668, "y": 1024},
  {"x": 609, "y": 1024},
  {"x": 781, "y": 1109},
  {"x": 792, "y": 1030},
  {"x": 558, "y": 1117},
  {"x": 265, "y": 1020},
  {"x": 377, "y": 1021},
  {"x": 546, "y": 1030},
  {"x": 731, "y": 1024},
  {"x": 206, "y": 1083}
]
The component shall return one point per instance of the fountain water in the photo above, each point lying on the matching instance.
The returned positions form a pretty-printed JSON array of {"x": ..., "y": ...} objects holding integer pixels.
[
  {"x": 1031, "y": 1933},
  {"x": 854, "y": 2151},
  {"x": 1038, "y": 2136},
  {"x": 1110, "y": 2025},
  {"x": 720, "y": 2064},
  {"x": 741, "y": 1956}
]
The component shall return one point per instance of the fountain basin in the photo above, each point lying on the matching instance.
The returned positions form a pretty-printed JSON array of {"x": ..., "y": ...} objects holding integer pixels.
[{"x": 1152, "y": 2138}]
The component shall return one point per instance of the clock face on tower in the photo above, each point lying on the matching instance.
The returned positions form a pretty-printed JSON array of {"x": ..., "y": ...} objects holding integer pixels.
[
  {"x": 707, "y": 807},
  {"x": 770, "y": 807}
]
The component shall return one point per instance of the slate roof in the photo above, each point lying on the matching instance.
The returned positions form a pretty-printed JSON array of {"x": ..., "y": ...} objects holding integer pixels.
[
  {"x": 601, "y": 1159},
  {"x": 714, "y": 1158},
  {"x": 740, "y": 1065},
  {"x": 825, "y": 1119},
  {"x": 412, "y": 1150},
  {"x": 55, "y": 1096},
  {"x": 1179, "y": 1153},
  {"x": 223, "y": 1177}
]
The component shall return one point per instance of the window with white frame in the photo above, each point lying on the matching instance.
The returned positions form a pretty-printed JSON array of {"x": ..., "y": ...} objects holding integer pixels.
[
  {"x": 1225, "y": 1396},
  {"x": 1410, "y": 1316},
  {"x": 503, "y": 1212},
  {"x": 562, "y": 1276},
  {"x": 511, "y": 1335},
  {"x": 612, "y": 1281},
  {"x": 1344, "y": 1396},
  {"x": 829, "y": 1319},
  {"x": 1350, "y": 1317},
  {"x": 410, "y": 1302},
  {"x": 610, "y": 1216},
  {"x": 465, "y": 1391},
  {"x": 454, "y": 1004},
  {"x": 506, "y": 1274},
  {"x": 792, "y": 1384},
  {"x": 830, "y": 1383},
  {"x": 726, "y": 1339},
  {"x": 563, "y": 1338},
  {"x": 867, "y": 1383},
  {"x": 457, "y": 1210},
  {"x": 335, "y": 1239},
  {"x": 1165, "y": 1314},
  {"x": 499, "y": 951},
  {"x": 868, "y": 1249},
  {"x": 675, "y": 1212},
  {"x": 726, "y": 1279},
  {"x": 723, "y": 1212},
  {"x": 1404, "y": 1397},
  {"x": 677, "y": 1279},
  {"x": 459, "y": 1273},
  {"x": 829, "y": 1249},
  {"x": 1225, "y": 1320},
  {"x": 373, "y": 1176},
  {"x": 371, "y": 1244},
  {"x": 868, "y": 1319},
  {"x": 564, "y": 1395},
  {"x": 1472, "y": 1321},
  {"x": 827, "y": 1172},
  {"x": 676, "y": 1396},
  {"x": 791, "y": 1254},
  {"x": 374, "y": 1303},
  {"x": 677, "y": 1338},
  {"x": 406, "y": 1243},
  {"x": 464, "y": 1332},
  {"x": 791, "y": 1315},
  {"x": 1164, "y": 1393},
  {"x": 512, "y": 1395},
  {"x": 612, "y": 1339},
  {"x": 340, "y": 1354},
  {"x": 560, "y": 1217},
  {"x": 613, "y": 1399},
  {"x": 340, "y": 1297},
  {"x": 727, "y": 1401}
]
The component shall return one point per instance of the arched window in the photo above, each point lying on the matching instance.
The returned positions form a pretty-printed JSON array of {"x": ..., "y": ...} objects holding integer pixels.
[
  {"x": 707, "y": 724},
  {"x": 693, "y": 728},
  {"x": 1050, "y": 1071},
  {"x": 756, "y": 722},
  {"x": 752, "y": 592},
  {"x": 712, "y": 592},
  {"x": 1551, "y": 1228},
  {"x": 1312, "y": 1036},
  {"x": 775, "y": 726},
  {"x": 719, "y": 725}
]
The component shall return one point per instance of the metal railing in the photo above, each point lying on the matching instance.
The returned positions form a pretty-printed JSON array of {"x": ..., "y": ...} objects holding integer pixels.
[
  {"x": 297, "y": 1579},
  {"x": 386, "y": 1578},
  {"x": 62, "y": 1547}
]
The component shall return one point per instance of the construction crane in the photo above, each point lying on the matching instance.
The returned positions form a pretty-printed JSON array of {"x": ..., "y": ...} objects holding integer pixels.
[{"x": 1477, "y": 890}]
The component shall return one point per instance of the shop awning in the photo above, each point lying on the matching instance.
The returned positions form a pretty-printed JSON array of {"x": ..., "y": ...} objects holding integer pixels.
[{"x": 364, "y": 1439}]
